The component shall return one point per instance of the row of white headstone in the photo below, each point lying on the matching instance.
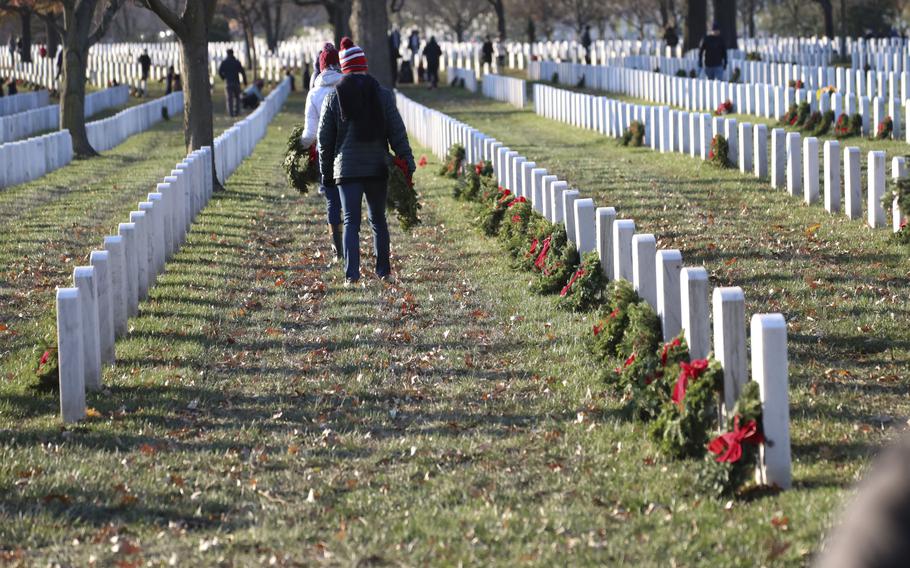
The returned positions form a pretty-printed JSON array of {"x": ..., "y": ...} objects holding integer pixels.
[
  {"x": 23, "y": 124},
  {"x": 459, "y": 73},
  {"x": 699, "y": 94},
  {"x": 22, "y": 102},
  {"x": 26, "y": 160},
  {"x": 93, "y": 313},
  {"x": 108, "y": 132},
  {"x": 678, "y": 294},
  {"x": 790, "y": 161},
  {"x": 507, "y": 89}
]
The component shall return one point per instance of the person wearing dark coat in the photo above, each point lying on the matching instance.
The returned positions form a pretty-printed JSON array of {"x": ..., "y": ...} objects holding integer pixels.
[
  {"x": 358, "y": 124},
  {"x": 486, "y": 53},
  {"x": 432, "y": 52},
  {"x": 670, "y": 37},
  {"x": 712, "y": 55},
  {"x": 231, "y": 71},
  {"x": 145, "y": 64},
  {"x": 586, "y": 43}
]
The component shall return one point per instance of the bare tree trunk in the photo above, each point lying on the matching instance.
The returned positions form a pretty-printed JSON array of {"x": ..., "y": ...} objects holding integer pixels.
[
  {"x": 370, "y": 24},
  {"x": 72, "y": 99},
  {"x": 52, "y": 37},
  {"x": 696, "y": 16},
  {"x": 500, "y": 8},
  {"x": 25, "y": 18},
  {"x": 198, "y": 128},
  {"x": 828, "y": 13},
  {"x": 339, "y": 13},
  {"x": 725, "y": 16}
]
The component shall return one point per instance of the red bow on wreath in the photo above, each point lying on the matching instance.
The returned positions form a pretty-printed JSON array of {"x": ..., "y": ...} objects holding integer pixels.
[
  {"x": 312, "y": 153},
  {"x": 402, "y": 165},
  {"x": 688, "y": 372},
  {"x": 578, "y": 273},
  {"x": 729, "y": 447},
  {"x": 519, "y": 199},
  {"x": 422, "y": 162},
  {"x": 542, "y": 257},
  {"x": 478, "y": 168}
]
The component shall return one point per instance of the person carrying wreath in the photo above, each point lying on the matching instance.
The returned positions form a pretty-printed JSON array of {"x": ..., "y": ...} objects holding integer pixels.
[
  {"x": 324, "y": 83},
  {"x": 360, "y": 121}
]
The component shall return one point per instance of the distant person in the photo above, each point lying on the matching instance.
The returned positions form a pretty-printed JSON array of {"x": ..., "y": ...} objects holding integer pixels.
[
  {"x": 394, "y": 53},
  {"x": 486, "y": 52},
  {"x": 289, "y": 75},
  {"x": 712, "y": 54},
  {"x": 231, "y": 71},
  {"x": 670, "y": 37},
  {"x": 252, "y": 95},
  {"x": 12, "y": 88},
  {"x": 586, "y": 43},
  {"x": 2, "y": 81},
  {"x": 432, "y": 52},
  {"x": 325, "y": 83},
  {"x": 145, "y": 65},
  {"x": 307, "y": 77},
  {"x": 169, "y": 80},
  {"x": 59, "y": 63},
  {"x": 414, "y": 43},
  {"x": 359, "y": 123},
  {"x": 500, "y": 53},
  {"x": 11, "y": 45}
]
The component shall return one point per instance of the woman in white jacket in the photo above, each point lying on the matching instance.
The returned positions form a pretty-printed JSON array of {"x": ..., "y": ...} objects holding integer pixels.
[{"x": 329, "y": 75}]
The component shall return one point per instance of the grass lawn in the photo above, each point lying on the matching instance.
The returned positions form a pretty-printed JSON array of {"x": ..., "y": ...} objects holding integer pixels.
[{"x": 260, "y": 411}]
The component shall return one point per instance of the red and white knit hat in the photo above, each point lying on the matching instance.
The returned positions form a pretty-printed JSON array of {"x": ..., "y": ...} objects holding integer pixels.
[{"x": 352, "y": 58}]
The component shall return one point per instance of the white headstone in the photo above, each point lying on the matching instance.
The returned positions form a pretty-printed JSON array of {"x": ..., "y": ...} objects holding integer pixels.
[
  {"x": 876, "y": 213},
  {"x": 832, "y": 176},
  {"x": 810, "y": 169},
  {"x": 778, "y": 157},
  {"x": 644, "y": 277},
  {"x": 70, "y": 355},
  {"x": 853, "y": 192},
  {"x": 667, "y": 268},
  {"x": 117, "y": 264},
  {"x": 729, "y": 306},
  {"x": 794, "y": 165},
  {"x": 585, "y": 225},
  {"x": 693, "y": 284},
  {"x": 769, "y": 370},
  {"x": 605, "y": 218},
  {"x": 623, "y": 230},
  {"x": 99, "y": 259}
]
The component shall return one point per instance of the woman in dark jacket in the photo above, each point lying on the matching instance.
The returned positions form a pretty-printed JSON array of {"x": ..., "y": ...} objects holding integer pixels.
[{"x": 358, "y": 124}]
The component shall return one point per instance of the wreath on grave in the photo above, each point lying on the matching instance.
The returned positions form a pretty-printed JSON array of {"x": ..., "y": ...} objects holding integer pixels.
[
  {"x": 554, "y": 78},
  {"x": 47, "y": 371},
  {"x": 899, "y": 190},
  {"x": 885, "y": 128},
  {"x": 802, "y": 114},
  {"x": 451, "y": 167},
  {"x": 491, "y": 217},
  {"x": 587, "y": 288},
  {"x": 634, "y": 135},
  {"x": 513, "y": 230},
  {"x": 789, "y": 118},
  {"x": 829, "y": 89},
  {"x": 824, "y": 124},
  {"x": 555, "y": 263},
  {"x": 731, "y": 457},
  {"x": 812, "y": 121},
  {"x": 847, "y": 126},
  {"x": 538, "y": 229},
  {"x": 753, "y": 56},
  {"x": 581, "y": 83},
  {"x": 693, "y": 74},
  {"x": 795, "y": 84},
  {"x": 725, "y": 107},
  {"x": 737, "y": 75},
  {"x": 635, "y": 377},
  {"x": 402, "y": 197},
  {"x": 609, "y": 327},
  {"x": 681, "y": 73},
  {"x": 301, "y": 165},
  {"x": 470, "y": 185},
  {"x": 689, "y": 415},
  {"x": 719, "y": 154}
]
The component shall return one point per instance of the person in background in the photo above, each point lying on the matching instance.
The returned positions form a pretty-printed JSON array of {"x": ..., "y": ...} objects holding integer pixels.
[
  {"x": 670, "y": 37},
  {"x": 432, "y": 52},
  {"x": 145, "y": 64},
  {"x": 486, "y": 53},
  {"x": 360, "y": 121},
  {"x": 307, "y": 77},
  {"x": 586, "y": 43},
  {"x": 394, "y": 53},
  {"x": 2, "y": 81},
  {"x": 500, "y": 54},
  {"x": 414, "y": 43},
  {"x": 323, "y": 85},
  {"x": 11, "y": 46},
  {"x": 59, "y": 63},
  {"x": 712, "y": 54},
  {"x": 231, "y": 71},
  {"x": 11, "y": 88},
  {"x": 169, "y": 80},
  {"x": 289, "y": 75},
  {"x": 252, "y": 95}
]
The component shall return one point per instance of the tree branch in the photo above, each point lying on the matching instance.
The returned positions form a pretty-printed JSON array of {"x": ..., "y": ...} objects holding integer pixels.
[
  {"x": 170, "y": 19},
  {"x": 106, "y": 19}
]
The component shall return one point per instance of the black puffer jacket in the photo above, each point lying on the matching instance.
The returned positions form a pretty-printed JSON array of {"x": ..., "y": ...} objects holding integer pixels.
[{"x": 359, "y": 123}]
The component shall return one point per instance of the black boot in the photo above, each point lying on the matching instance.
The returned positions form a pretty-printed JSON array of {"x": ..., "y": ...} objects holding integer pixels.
[{"x": 337, "y": 231}]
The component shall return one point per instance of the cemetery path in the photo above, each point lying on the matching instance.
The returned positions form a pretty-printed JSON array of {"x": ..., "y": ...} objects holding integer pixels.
[{"x": 261, "y": 411}]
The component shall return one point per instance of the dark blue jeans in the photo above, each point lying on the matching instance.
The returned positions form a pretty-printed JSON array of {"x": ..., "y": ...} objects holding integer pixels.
[
  {"x": 352, "y": 194},
  {"x": 332, "y": 204}
]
